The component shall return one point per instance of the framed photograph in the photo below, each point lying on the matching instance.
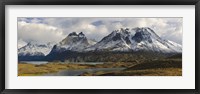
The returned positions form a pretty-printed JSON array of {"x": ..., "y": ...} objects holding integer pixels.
[{"x": 122, "y": 47}]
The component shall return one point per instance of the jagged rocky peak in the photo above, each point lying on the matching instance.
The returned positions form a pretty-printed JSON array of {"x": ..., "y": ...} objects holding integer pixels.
[
  {"x": 74, "y": 34},
  {"x": 74, "y": 38},
  {"x": 36, "y": 49},
  {"x": 144, "y": 34},
  {"x": 120, "y": 33},
  {"x": 143, "y": 31},
  {"x": 125, "y": 30},
  {"x": 135, "y": 39},
  {"x": 117, "y": 40},
  {"x": 146, "y": 30},
  {"x": 81, "y": 34},
  {"x": 74, "y": 42}
]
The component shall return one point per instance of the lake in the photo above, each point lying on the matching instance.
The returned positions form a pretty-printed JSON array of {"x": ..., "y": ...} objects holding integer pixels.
[
  {"x": 75, "y": 72},
  {"x": 45, "y": 62}
]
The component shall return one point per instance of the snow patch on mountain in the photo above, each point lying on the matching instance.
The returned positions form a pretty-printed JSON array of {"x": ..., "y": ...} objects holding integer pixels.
[
  {"x": 146, "y": 39},
  {"x": 121, "y": 40},
  {"x": 135, "y": 39},
  {"x": 116, "y": 41},
  {"x": 73, "y": 42},
  {"x": 35, "y": 49},
  {"x": 92, "y": 41}
]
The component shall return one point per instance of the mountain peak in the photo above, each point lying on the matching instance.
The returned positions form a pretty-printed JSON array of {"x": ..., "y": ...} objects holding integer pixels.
[
  {"x": 73, "y": 41},
  {"x": 144, "y": 34},
  {"x": 138, "y": 39},
  {"x": 81, "y": 34},
  {"x": 73, "y": 34},
  {"x": 35, "y": 48},
  {"x": 122, "y": 30}
]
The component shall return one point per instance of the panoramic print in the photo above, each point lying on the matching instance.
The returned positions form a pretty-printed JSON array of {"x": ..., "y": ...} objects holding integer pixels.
[{"x": 99, "y": 46}]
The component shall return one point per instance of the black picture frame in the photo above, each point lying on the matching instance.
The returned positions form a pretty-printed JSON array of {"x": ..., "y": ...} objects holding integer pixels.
[{"x": 3, "y": 3}]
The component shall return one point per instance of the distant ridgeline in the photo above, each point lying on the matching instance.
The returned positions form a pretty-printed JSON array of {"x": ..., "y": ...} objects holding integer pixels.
[{"x": 125, "y": 45}]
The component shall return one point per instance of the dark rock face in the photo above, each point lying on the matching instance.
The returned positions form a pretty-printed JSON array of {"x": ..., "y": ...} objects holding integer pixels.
[
  {"x": 74, "y": 38},
  {"x": 127, "y": 40},
  {"x": 73, "y": 34},
  {"x": 117, "y": 37},
  {"x": 142, "y": 35},
  {"x": 75, "y": 47},
  {"x": 73, "y": 42},
  {"x": 81, "y": 34}
]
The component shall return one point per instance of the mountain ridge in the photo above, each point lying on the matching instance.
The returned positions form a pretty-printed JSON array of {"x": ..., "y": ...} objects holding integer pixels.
[{"x": 142, "y": 39}]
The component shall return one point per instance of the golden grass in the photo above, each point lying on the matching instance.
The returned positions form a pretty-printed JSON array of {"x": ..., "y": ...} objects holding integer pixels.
[
  {"x": 32, "y": 70},
  {"x": 166, "y": 67},
  {"x": 25, "y": 69},
  {"x": 148, "y": 72}
]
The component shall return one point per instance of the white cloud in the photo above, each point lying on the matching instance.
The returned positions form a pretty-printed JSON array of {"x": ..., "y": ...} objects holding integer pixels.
[
  {"x": 39, "y": 32},
  {"x": 21, "y": 43},
  {"x": 55, "y": 29}
]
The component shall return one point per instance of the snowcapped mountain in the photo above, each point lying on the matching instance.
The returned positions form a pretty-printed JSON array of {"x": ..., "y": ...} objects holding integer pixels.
[
  {"x": 136, "y": 39},
  {"x": 122, "y": 40},
  {"x": 35, "y": 49},
  {"x": 92, "y": 41},
  {"x": 146, "y": 39},
  {"x": 118, "y": 40},
  {"x": 73, "y": 42},
  {"x": 75, "y": 45}
]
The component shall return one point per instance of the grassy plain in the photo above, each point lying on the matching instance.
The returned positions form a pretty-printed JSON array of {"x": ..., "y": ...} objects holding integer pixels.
[{"x": 160, "y": 67}]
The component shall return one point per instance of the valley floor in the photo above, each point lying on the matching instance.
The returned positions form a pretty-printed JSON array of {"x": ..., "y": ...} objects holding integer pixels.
[{"x": 161, "y": 67}]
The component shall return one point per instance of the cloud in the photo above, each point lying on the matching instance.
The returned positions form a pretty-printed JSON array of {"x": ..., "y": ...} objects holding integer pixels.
[
  {"x": 38, "y": 32},
  {"x": 21, "y": 43},
  {"x": 54, "y": 29}
]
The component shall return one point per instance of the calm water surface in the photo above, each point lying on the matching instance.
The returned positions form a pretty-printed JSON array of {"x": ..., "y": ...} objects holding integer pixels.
[
  {"x": 45, "y": 62},
  {"x": 75, "y": 72}
]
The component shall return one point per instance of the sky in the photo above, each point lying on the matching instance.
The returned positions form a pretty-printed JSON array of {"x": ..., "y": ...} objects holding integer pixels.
[{"x": 54, "y": 29}]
